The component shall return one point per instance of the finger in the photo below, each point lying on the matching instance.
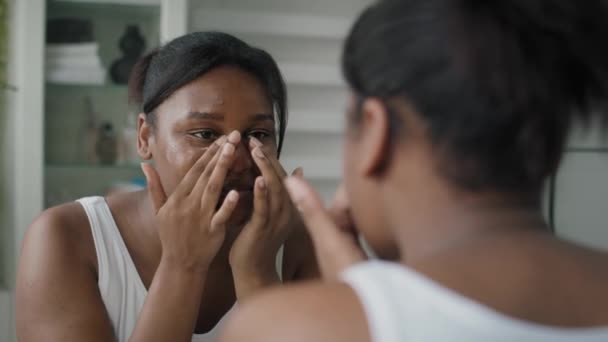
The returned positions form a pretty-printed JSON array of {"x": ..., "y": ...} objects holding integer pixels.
[
  {"x": 273, "y": 182},
  {"x": 234, "y": 138},
  {"x": 187, "y": 184},
  {"x": 340, "y": 211},
  {"x": 298, "y": 172},
  {"x": 215, "y": 184},
  {"x": 274, "y": 162},
  {"x": 331, "y": 245},
  {"x": 221, "y": 217},
  {"x": 201, "y": 183},
  {"x": 155, "y": 188},
  {"x": 260, "y": 204}
]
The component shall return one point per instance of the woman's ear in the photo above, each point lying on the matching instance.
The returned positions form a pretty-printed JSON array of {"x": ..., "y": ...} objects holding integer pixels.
[
  {"x": 374, "y": 140},
  {"x": 144, "y": 137}
]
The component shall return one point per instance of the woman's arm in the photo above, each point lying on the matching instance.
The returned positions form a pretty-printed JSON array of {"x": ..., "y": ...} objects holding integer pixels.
[{"x": 57, "y": 296}]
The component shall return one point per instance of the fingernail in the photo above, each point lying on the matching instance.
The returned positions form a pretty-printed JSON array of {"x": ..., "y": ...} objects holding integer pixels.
[
  {"x": 258, "y": 152},
  {"x": 299, "y": 172},
  {"x": 234, "y": 137},
  {"x": 255, "y": 142},
  {"x": 291, "y": 186},
  {"x": 233, "y": 196},
  {"x": 221, "y": 140},
  {"x": 261, "y": 183},
  {"x": 228, "y": 150}
]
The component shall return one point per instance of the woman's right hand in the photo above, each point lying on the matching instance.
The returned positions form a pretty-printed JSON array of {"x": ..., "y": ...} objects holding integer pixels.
[{"x": 191, "y": 230}]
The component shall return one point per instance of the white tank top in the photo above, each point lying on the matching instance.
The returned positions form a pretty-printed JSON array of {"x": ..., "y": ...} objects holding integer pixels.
[
  {"x": 122, "y": 291},
  {"x": 402, "y": 305}
]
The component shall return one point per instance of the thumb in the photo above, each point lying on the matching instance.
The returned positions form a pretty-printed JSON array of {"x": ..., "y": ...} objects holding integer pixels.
[
  {"x": 155, "y": 188},
  {"x": 298, "y": 172},
  {"x": 335, "y": 250}
]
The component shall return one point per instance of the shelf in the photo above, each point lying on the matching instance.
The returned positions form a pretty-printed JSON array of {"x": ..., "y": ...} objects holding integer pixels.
[
  {"x": 311, "y": 74},
  {"x": 109, "y": 20},
  {"x": 273, "y": 24},
  {"x": 113, "y": 2},
  {"x": 67, "y": 182}
]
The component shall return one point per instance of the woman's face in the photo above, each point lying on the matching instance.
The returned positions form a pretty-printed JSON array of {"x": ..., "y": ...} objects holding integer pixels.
[{"x": 224, "y": 100}]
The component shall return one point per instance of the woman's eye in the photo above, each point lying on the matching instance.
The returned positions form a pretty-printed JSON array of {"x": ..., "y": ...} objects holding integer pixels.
[
  {"x": 260, "y": 135},
  {"x": 205, "y": 135}
]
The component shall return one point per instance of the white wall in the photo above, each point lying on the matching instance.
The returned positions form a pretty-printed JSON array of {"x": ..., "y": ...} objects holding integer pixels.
[
  {"x": 581, "y": 196},
  {"x": 7, "y": 219},
  {"x": 21, "y": 153}
]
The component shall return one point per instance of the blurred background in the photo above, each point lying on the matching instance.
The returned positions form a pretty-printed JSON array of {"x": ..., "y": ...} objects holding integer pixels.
[{"x": 68, "y": 131}]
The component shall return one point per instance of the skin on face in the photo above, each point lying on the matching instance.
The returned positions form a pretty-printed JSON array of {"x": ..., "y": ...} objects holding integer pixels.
[
  {"x": 224, "y": 100},
  {"x": 360, "y": 175}
]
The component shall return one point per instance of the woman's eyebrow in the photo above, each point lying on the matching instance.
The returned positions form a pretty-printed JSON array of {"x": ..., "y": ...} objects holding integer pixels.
[{"x": 262, "y": 117}]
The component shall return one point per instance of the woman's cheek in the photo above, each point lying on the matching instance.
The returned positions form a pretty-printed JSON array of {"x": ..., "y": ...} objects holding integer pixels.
[{"x": 183, "y": 158}]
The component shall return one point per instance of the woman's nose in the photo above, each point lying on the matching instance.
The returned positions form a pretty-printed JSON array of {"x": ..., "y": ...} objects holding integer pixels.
[{"x": 242, "y": 157}]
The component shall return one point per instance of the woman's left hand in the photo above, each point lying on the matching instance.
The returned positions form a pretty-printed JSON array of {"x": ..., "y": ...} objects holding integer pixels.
[{"x": 253, "y": 253}]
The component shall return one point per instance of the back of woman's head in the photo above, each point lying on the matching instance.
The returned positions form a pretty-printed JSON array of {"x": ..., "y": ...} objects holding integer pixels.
[
  {"x": 497, "y": 83},
  {"x": 165, "y": 70}
]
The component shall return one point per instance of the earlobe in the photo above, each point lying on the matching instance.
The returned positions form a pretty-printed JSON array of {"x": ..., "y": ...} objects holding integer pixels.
[
  {"x": 374, "y": 138},
  {"x": 144, "y": 136}
]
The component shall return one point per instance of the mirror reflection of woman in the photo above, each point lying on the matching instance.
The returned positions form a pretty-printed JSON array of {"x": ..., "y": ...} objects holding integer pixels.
[{"x": 170, "y": 262}]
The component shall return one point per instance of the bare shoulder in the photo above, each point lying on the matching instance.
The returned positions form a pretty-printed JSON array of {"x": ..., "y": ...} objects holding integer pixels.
[
  {"x": 57, "y": 245},
  {"x": 306, "y": 312},
  {"x": 56, "y": 295},
  {"x": 63, "y": 229}
]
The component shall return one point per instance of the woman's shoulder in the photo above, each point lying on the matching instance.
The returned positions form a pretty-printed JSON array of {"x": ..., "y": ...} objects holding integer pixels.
[
  {"x": 63, "y": 229},
  {"x": 305, "y": 312},
  {"x": 532, "y": 276},
  {"x": 64, "y": 221}
]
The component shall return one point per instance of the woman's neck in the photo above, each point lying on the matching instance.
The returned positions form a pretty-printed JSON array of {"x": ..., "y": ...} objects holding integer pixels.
[{"x": 428, "y": 221}]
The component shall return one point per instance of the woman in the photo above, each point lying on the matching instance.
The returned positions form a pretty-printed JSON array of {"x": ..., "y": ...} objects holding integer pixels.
[
  {"x": 460, "y": 111},
  {"x": 162, "y": 265}
]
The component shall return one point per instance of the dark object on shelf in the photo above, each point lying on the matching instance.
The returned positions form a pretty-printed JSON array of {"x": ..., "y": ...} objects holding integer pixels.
[
  {"x": 132, "y": 44},
  {"x": 69, "y": 31},
  {"x": 107, "y": 144}
]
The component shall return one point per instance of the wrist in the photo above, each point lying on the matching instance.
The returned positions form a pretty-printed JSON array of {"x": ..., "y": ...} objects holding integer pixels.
[
  {"x": 248, "y": 283},
  {"x": 180, "y": 269}
]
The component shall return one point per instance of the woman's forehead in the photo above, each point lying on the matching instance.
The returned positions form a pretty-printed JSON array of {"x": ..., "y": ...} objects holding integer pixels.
[{"x": 224, "y": 91}]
